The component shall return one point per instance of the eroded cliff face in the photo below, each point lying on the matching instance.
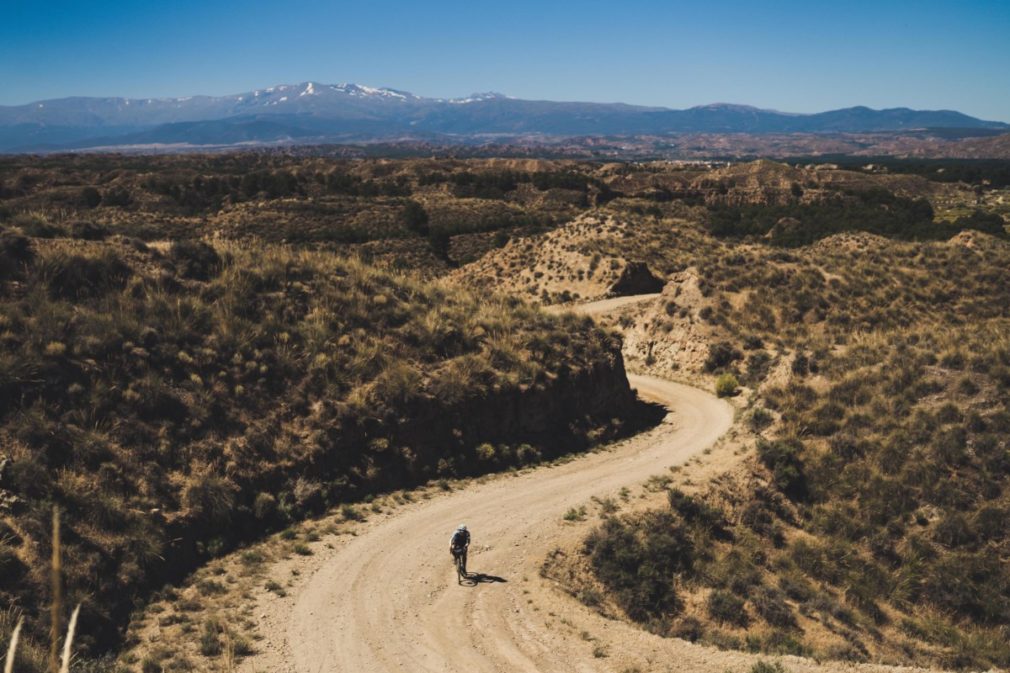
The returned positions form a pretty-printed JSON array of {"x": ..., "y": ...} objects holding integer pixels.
[
  {"x": 555, "y": 416},
  {"x": 428, "y": 437}
]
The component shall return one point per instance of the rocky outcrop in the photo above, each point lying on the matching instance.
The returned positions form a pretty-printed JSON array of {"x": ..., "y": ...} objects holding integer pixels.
[{"x": 669, "y": 337}]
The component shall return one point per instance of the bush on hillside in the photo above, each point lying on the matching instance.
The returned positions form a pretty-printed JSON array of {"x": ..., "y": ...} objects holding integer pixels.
[
  {"x": 640, "y": 569},
  {"x": 88, "y": 231},
  {"x": 721, "y": 355},
  {"x": 782, "y": 457},
  {"x": 75, "y": 277},
  {"x": 195, "y": 259},
  {"x": 726, "y": 385},
  {"x": 15, "y": 254},
  {"x": 37, "y": 225},
  {"x": 726, "y": 608},
  {"x": 416, "y": 217}
]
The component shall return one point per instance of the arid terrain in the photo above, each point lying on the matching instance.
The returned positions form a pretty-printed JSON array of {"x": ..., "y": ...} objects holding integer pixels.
[
  {"x": 926, "y": 144},
  {"x": 264, "y": 388}
]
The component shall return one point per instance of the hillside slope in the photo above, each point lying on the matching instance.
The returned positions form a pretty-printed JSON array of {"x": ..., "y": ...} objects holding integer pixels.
[
  {"x": 176, "y": 400},
  {"x": 868, "y": 525}
]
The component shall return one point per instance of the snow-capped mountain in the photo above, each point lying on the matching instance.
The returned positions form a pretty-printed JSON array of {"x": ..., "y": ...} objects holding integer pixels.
[{"x": 316, "y": 112}]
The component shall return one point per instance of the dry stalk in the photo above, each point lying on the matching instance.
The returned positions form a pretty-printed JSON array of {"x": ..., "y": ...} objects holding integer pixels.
[
  {"x": 57, "y": 594},
  {"x": 13, "y": 648},
  {"x": 229, "y": 651}
]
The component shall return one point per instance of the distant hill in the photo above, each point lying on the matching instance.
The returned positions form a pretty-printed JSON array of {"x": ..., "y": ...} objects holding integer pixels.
[{"x": 318, "y": 113}]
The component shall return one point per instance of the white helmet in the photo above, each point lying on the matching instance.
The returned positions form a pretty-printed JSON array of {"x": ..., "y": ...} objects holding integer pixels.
[{"x": 461, "y": 527}]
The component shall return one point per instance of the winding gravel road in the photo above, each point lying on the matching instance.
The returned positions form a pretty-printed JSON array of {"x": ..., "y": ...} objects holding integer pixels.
[{"x": 387, "y": 600}]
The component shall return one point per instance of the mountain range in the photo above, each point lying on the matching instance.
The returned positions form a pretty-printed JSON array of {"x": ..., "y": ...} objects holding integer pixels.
[{"x": 311, "y": 113}]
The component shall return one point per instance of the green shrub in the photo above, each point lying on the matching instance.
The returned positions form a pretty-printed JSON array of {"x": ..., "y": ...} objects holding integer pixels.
[
  {"x": 351, "y": 513},
  {"x": 416, "y": 217},
  {"x": 698, "y": 513},
  {"x": 575, "y": 514},
  {"x": 689, "y": 629},
  {"x": 726, "y": 385},
  {"x": 90, "y": 197},
  {"x": 210, "y": 639},
  {"x": 796, "y": 587},
  {"x": 241, "y": 647},
  {"x": 874, "y": 210},
  {"x": 209, "y": 497},
  {"x": 735, "y": 571},
  {"x": 210, "y": 587},
  {"x": 979, "y": 220},
  {"x": 151, "y": 664},
  {"x": 758, "y": 365},
  {"x": 590, "y": 597}
]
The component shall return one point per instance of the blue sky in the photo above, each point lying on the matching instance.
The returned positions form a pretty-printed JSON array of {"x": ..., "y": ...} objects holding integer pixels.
[{"x": 792, "y": 56}]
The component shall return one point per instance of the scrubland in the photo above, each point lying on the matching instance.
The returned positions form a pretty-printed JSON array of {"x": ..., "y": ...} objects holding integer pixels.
[{"x": 195, "y": 351}]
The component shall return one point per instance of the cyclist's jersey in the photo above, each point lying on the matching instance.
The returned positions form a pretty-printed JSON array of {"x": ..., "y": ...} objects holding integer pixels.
[{"x": 460, "y": 539}]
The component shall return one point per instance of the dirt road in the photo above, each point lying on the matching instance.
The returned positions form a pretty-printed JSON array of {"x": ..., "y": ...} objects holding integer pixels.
[
  {"x": 604, "y": 305},
  {"x": 389, "y": 600}
]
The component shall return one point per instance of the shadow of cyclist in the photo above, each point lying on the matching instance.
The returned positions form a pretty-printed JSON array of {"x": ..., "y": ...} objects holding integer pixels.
[{"x": 473, "y": 579}]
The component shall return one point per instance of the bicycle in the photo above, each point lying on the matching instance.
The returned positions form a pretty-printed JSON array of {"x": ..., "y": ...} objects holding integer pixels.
[{"x": 461, "y": 573}]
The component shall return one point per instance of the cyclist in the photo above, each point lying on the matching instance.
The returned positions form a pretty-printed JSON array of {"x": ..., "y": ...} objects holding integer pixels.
[{"x": 459, "y": 543}]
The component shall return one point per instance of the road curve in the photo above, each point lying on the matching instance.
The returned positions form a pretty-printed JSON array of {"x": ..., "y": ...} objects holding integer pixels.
[
  {"x": 389, "y": 600},
  {"x": 602, "y": 306}
]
